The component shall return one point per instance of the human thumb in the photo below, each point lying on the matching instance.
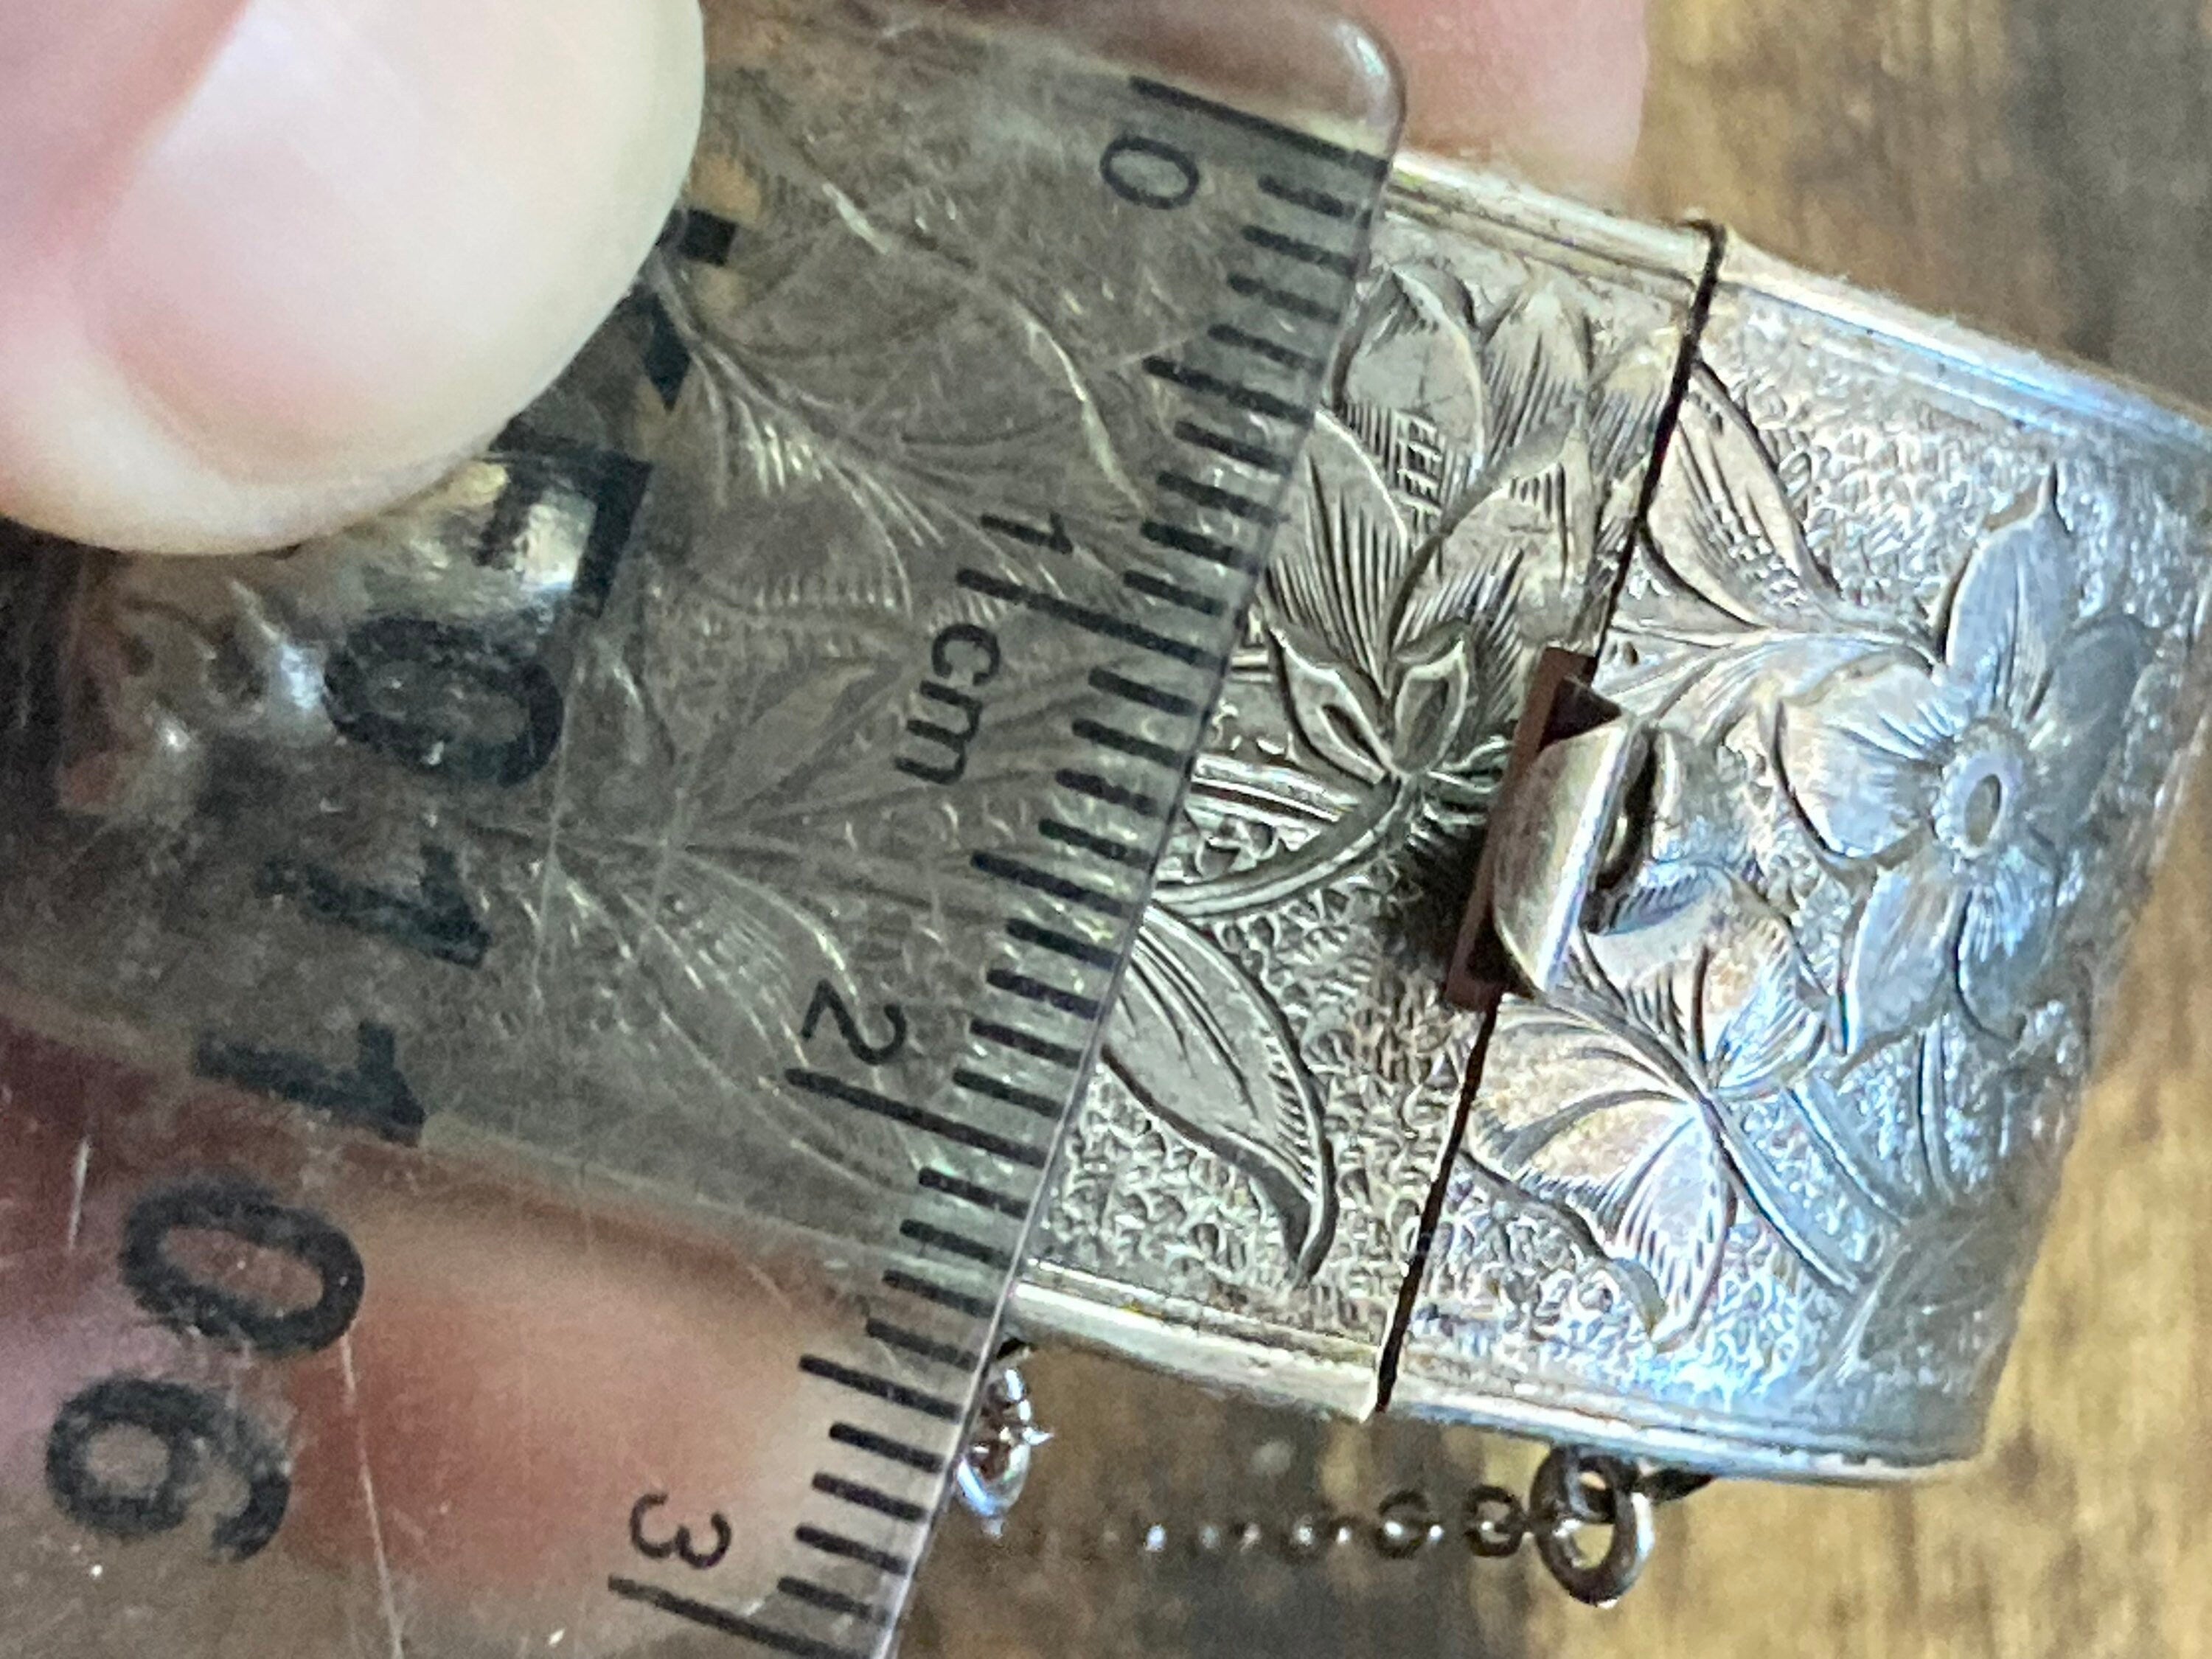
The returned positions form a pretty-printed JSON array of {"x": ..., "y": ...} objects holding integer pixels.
[{"x": 266, "y": 265}]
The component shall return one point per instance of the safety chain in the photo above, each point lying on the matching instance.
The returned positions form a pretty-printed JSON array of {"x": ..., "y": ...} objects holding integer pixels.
[{"x": 1573, "y": 1494}]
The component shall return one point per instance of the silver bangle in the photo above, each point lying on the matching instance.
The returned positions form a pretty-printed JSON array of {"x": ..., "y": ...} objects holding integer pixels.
[
  {"x": 1804, "y": 899},
  {"x": 1810, "y": 920}
]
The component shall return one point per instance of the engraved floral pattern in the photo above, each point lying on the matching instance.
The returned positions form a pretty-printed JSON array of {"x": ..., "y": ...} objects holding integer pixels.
[
  {"x": 1820, "y": 1016},
  {"x": 1767, "y": 1171},
  {"x": 1627, "y": 1122},
  {"x": 1457, "y": 495},
  {"x": 1202, "y": 1049},
  {"x": 1965, "y": 781},
  {"x": 1452, "y": 500}
]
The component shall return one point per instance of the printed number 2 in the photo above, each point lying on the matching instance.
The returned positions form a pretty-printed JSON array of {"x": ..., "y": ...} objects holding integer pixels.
[{"x": 828, "y": 1002}]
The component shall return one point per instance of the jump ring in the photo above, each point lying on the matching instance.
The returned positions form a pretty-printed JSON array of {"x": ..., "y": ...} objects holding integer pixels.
[{"x": 1555, "y": 1502}]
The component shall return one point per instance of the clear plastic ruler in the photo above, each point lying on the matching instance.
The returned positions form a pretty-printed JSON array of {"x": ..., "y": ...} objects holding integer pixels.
[{"x": 537, "y": 1027}]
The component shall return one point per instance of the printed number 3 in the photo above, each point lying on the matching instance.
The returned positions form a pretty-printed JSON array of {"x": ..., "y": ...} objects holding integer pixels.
[{"x": 681, "y": 1543}]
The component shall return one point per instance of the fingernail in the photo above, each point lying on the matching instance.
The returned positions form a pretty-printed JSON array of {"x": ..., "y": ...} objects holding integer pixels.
[{"x": 375, "y": 228}]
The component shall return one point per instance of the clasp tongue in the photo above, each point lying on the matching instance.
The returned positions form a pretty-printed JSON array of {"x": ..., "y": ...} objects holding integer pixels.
[{"x": 1560, "y": 821}]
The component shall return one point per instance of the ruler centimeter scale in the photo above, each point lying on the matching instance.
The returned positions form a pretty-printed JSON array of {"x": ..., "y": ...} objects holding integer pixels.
[
  {"x": 1279, "y": 314},
  {"x": 768, "y": 884}
]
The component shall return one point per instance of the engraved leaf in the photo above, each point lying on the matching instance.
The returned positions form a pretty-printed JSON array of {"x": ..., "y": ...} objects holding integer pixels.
[
  {"x": 1332, "y": 593},
  {"x": 1342, "y": 560},
  {"x": 1243, "y": 815},
  {"x": 863, "y": 353},
  {"x": 1939, "y": 1282},
  {"x": 1412, "y": 390},
  {"x": 1295, "y": 804},
  {"x": 1362, "y": 827},
  {"x": 1722, "y": 523},
  {"x": 713, "y": 967},
  {"x": 872, "y": 386},
  {"x": 1337, "y": 711},
  {"x": 1429, "y": 704},
  {"x": 705, "y": 921},
  {"x": 1791, "y": 1175},
  {"x": 1537, "y": 371},
  {"x": 1879, "y": 1154},
  {"x": 1724, "y": 984},
  {"x": 1588, "y": 1116},
  {"x": 1468, "y": 575},
  {"x": 1624, "y": 413},
  {"x": 793, "y": 753},
  {"x": 1702, "y": 681},
  {"x": 1692, "y": 846},
  {"x": 1206, "y": 1052}
]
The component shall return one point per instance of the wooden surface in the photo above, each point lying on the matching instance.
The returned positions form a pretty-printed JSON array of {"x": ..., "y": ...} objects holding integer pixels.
[{"x": 2043, "y": 167}]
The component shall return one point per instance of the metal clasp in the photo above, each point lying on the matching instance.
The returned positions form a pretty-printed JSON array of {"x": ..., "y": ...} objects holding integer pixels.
[{"x": 1564, "y": 819}]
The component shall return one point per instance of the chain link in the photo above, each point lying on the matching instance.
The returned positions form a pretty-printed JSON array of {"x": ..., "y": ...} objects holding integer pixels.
[{"x": 1573, "y": 1494}]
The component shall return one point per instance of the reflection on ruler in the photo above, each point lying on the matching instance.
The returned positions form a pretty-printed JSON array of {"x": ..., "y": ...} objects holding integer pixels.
[
  {"x": 1100, "y": 831},
  {"x": 736, "y": 798}
]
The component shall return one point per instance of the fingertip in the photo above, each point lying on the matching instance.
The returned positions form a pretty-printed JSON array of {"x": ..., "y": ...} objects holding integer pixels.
[
  {"x": 1553, "y": 88},
  {"x": 367, "y": 232}
]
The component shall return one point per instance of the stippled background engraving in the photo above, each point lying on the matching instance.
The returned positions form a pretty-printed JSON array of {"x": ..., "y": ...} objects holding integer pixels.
[
  {"x": 1771, "y": 1169},
  {"x": 1280, "y": 1078}
]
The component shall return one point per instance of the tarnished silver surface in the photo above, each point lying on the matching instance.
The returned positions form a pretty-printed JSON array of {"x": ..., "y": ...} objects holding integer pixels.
[
  {"x": 784, "y": 729},
  {"x": 1908, "y": 622},
  {"x": 1912, "y": 625},
  {"x": 1564, "y": 820},
  {"x": 1916, "y": 622},
  {"x": 1245, "y": 1185}
]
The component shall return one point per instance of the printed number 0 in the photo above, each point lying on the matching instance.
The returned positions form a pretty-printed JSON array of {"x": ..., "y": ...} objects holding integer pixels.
[
  {"x": 679, "y": 1544},
  {"x": 190, "y": 1425},
  {"x": 1148, "y": 174},
  {"x": 446, "y": 700},
  {"x": 252, "y": 1215}
]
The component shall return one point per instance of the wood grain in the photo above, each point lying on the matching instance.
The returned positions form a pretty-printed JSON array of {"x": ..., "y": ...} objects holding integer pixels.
[{"x": 2042, "y": 167}]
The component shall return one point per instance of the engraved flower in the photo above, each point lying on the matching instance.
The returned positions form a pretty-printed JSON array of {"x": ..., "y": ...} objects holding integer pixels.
[
  {"x": 1370, "y": 631},
  {"x": 1630, "y": 1120},
  {"x": 1446, "y": 498},
  {"x": 1453, "y": 498},
  {"x": 1965, "y": 781}
]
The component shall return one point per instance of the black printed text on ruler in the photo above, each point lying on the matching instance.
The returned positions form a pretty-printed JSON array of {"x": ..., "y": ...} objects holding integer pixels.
[
  {"x": 424, "y": 693},
  {"x": 1246, "y": 388},
  {"x": 388, "y": 686}
]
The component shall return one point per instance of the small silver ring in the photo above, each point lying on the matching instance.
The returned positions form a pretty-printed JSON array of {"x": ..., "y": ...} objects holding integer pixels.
[{"x": 1559, "y": 1503}]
